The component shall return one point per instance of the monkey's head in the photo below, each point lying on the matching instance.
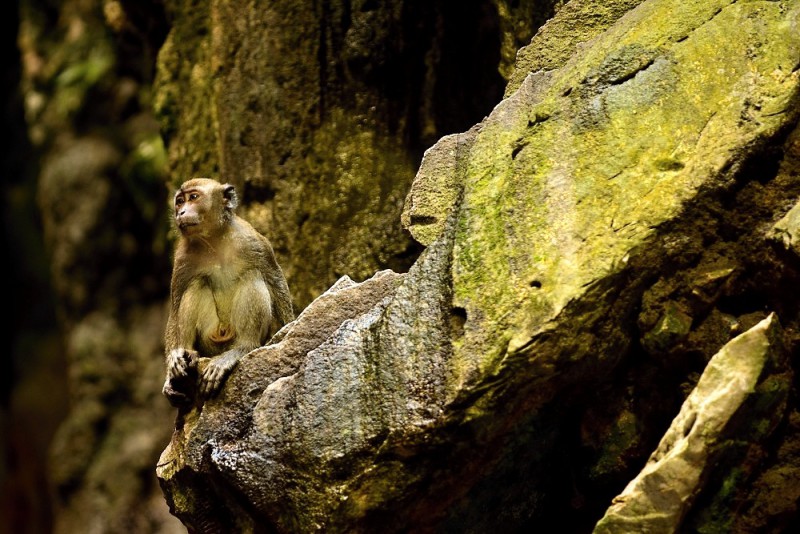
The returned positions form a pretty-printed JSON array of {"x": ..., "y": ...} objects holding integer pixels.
[{"x": 204, "y": 207}]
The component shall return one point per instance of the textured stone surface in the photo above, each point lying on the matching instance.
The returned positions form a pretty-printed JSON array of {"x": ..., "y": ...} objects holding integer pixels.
[
  {"x": 581, "y": 165},
  {"x": 431, "y": 199},
  {"x": 319, "y": 112},
  {"x": 297, "y": 365},
  {"x": 739, "y": 382},
  {"x": 573, "y": 229},
  {"x": 787, "y": 230},
  {"x": 578, "y": 23}
]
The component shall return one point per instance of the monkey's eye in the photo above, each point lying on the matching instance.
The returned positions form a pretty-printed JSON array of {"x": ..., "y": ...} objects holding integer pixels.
[
  {"x": 193, "y": 196},
  {"x": 179, "y": 201}
]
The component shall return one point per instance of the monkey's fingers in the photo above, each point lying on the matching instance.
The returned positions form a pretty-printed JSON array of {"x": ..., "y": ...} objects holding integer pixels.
[
  {"x": 212, "y": 380},
  {"x": 177, "y": 364},
  {"x": 176, "y": 368}
]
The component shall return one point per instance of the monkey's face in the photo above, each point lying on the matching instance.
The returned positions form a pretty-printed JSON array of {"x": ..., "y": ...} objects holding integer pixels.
[
  {"x": 204, "y": 207},
  {"x": 193, "y": 209}
]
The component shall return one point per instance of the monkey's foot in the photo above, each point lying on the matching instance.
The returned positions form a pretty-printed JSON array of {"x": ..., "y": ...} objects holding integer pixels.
[{"x": 216, "y": 371}]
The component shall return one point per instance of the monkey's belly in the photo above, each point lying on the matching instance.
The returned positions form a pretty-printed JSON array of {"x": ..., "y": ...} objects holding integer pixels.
[
  {"x": 221, "y": 315},
  {"x": 208, "y": 328},
  {"x": 222, "y": 334},
  {"x": 215, "y": 339}
]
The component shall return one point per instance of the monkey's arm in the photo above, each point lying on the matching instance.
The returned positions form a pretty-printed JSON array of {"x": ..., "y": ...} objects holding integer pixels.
[
  {"x": 178, "y": 384},
  {"x": 284, "y": 313},
  {"x": 179, "y": 353},
  {"x": 282, "y": 309},
  {"x": 174, "y": 363}
]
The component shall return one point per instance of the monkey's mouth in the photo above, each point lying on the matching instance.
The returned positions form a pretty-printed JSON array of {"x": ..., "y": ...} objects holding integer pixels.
[{"x": 187, "y": 222}]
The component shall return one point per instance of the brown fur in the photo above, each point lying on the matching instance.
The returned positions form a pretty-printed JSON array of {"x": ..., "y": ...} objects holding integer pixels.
[{"x": 228, "y": 294}]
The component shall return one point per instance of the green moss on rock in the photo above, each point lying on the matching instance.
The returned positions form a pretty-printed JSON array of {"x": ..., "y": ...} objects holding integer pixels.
[{"x": 566, "y": 177}]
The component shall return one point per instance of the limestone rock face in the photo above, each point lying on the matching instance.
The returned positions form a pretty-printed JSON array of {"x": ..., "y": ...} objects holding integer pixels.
[
  {"x": 570, "y": 177},
  {"x": 319, "y": 113},
  {"x": 303, "y": 372},
  {"x": 500, "y": 383},
  {"x": 787, "y": 230},
  {"x": 748, "y": 374}
]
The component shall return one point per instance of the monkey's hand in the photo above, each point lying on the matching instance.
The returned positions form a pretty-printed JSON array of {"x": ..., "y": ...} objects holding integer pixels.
[
  {"x": 215, "y": 372},
  {"x": 179, "y": 361}
]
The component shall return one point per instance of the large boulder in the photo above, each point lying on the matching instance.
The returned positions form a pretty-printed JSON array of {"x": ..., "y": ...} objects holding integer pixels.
[{"x": 599, "y": 236}]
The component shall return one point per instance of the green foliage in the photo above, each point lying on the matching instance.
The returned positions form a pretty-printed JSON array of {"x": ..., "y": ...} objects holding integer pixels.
[{"x": 75, "y": 82}]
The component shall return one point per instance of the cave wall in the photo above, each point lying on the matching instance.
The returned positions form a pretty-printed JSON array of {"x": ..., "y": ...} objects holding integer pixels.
[
  {"x": 97, "y": 185},
  {"x": 605, "y": 307},
  {"x": 318, "y": 112},
  {"x": 32, "y": 361}
]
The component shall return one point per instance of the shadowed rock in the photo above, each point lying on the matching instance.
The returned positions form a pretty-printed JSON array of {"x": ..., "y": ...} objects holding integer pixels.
[
  {"x": 440, "y": 403},
  {"x": 786, "y": 232},
  {"x": 746, "y": 380}
]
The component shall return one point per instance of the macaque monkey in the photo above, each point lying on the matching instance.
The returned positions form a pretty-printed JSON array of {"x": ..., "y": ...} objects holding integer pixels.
[{"x": 228, "y": 294}]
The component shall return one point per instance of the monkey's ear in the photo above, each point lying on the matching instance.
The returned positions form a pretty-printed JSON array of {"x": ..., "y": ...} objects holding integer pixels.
[{"x": 230, "y": 196}]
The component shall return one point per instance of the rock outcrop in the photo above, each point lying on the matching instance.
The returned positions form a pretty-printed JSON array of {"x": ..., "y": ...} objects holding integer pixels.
[
  {"x": 739, "y": 399},
  {"x": 591, "y": 244},
  {"x": 318, "y": 111},
  {"x": 787, "y": 231}
]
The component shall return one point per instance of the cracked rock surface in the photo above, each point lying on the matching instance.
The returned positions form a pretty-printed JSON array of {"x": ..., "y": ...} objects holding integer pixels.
[{"x": 592, "y": 244}]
